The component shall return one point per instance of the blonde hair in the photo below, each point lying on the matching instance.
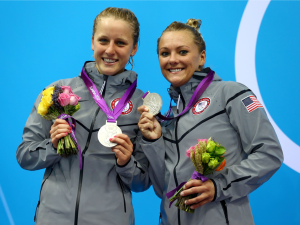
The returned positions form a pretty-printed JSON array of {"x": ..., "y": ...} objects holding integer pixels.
[
  {"x": 193, "y": 26},
  {"x": 122, "y": 14}
]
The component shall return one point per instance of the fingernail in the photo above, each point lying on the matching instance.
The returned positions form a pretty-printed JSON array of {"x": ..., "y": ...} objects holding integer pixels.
[
  {"x": 66, "y": 133},
  {"x": 115, "y": 136},
  {"x": 110, "y": 139},
  {"x": 183, "y": 186},
  {"x": 186, "y": 202},
  {"x": 181, "y": 194}
]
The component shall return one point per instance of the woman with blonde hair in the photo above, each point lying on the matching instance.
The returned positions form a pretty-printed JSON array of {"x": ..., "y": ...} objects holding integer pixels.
[
  {"x": 229, "y": 113},
  {"x": 93, "y": 187}
]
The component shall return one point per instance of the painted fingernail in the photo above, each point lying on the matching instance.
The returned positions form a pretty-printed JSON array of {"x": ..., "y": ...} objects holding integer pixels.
[
  {"x": 115, "y": 136},
  {"x": 66, "y": 133}
]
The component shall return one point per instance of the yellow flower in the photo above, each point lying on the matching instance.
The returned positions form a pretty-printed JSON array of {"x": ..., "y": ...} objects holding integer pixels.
[
  {"x": 47, "y": 100},
  {"x": 48, "y": 91},
  {"x": 42, "y": 109}
]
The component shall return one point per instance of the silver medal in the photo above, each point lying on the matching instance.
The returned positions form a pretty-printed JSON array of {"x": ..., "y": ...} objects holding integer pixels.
[
  {"x": 107, "y": 131},
  {"x": 154, "y": 103}
]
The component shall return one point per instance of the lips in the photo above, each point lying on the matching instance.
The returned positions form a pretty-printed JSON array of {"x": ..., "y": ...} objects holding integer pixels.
[
  {"x": 108, "y": 60},
  {"x": 175, "y": 70}
]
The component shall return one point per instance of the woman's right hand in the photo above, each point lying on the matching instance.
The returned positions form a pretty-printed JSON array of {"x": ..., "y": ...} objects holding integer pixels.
[
  {"x": 59, "y": 129},
  {"x": 148, "y": 124}
]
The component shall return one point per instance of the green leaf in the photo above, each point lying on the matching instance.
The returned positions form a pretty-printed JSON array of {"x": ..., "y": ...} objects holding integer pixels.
[{"x": 220, "y": 150}]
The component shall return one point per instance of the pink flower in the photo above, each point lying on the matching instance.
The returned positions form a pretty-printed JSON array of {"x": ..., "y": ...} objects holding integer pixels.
[
  {"x": 67, "y": 89},
  {"x": 74, "y": 99},
  {"x": 202, "y": 140},
  {"x": 64, "y": 99},
  {"x": 188, "y": 153}
]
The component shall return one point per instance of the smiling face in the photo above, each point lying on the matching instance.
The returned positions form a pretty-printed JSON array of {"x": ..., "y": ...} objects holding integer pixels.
[
  {"x": 179, "y": 57},
  {"x": 112, "y": 45}
]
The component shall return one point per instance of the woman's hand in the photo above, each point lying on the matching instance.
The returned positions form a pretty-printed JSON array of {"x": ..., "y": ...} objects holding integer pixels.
[
  {"x": 205, "y": 189},
  {"x": 123, "y": 150},
  {"x": 59, "y": 129},
  {"x": 148, "y": 124}
]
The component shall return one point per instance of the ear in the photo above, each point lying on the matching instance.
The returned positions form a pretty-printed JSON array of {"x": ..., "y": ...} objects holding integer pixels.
[
  {"x": 134, "y": 50},
  {"x": 202, "y": 58},
  {"x": 92, "y": 43}
]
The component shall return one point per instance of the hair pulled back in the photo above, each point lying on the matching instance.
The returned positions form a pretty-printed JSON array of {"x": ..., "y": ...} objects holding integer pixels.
[
  {"x": 193, "y": 26},
  {"x": 122, "y": 14}
]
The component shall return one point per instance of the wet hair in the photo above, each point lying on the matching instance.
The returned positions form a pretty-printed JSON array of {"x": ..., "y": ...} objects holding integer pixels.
[
  {"x": 122, "y": 14},
  {"x": 192, "y": 26}
]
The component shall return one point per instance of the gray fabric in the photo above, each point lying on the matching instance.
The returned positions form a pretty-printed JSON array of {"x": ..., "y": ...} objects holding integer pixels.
[
  {"x": 253, "y": 153},
  {"x": 101, "y": 197}
]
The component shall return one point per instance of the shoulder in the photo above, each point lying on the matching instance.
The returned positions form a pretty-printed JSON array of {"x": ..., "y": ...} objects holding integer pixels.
[{"x": 229, "y": 89}]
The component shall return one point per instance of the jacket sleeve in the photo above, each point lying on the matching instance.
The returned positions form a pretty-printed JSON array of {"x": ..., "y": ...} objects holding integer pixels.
[
  {"x": 155, "y": 152},
  {"x": 36, "y": 150},
  {"x": 135, "y": 173},
  {"x": 263, "y": 153}
]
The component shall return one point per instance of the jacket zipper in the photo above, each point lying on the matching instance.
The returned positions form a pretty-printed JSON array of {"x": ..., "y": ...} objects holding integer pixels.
[
  {"x": 41, "y": 193},
  {"x": 224, "y": 207},
  {"x": 122, "y": 188},
  {"x": 83, "y": 153},
  {"x": 178, "y": 153}
]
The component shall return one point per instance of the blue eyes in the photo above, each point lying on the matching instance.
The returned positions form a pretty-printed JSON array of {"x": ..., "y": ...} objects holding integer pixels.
[
  {"x": 105, "y": 41},
  {"x": 181, "y": 52}
]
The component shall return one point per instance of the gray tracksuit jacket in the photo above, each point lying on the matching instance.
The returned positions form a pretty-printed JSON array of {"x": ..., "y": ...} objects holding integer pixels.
[
  {"x": 100, "y": 193},
  {"x": 253, "y": 151}
]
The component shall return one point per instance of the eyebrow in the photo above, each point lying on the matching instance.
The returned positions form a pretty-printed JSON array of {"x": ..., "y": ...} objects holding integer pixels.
[{"x": 176, "y": 48}]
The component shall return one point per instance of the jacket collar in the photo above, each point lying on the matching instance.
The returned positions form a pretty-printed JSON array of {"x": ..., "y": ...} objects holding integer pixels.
[
  {"x": 188, "y": 88},
  {"x": 125, "y": 78}
]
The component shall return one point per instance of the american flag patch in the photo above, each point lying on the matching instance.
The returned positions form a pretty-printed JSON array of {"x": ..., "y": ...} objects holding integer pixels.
[{"x": 251, "y": 103}]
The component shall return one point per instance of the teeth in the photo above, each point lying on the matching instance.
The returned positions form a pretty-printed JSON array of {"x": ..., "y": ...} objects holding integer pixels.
[
  {"x": 109, "y": 60},
  {"x": 175, "y": 70}
]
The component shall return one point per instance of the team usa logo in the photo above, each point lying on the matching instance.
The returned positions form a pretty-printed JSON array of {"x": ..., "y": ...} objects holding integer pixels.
[
  {"x": 128, "y": 108},
  {"x": 201, "y": 105}
]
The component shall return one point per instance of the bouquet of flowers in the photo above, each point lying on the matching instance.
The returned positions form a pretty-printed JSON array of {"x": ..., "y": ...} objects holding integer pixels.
[
  {"x": 207, "y": 157},
  {"x": 59, "y": 100}
]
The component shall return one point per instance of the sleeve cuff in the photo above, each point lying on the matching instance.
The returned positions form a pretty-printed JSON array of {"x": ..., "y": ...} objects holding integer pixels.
[
  {"x": 215, "y": 190},
  {"x": 149, "y": 140},
  {"x": 124, "y": 164}
]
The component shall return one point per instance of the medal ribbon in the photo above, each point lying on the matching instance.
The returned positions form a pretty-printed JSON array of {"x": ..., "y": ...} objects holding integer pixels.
[
  {"x": 65, "y": 117},
  {"x": 197, "y": 93},
  {"x": 111, "y": 115}
]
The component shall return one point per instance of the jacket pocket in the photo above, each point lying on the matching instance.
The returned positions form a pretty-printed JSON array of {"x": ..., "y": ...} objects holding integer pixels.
[
  {"x": 46, "y": 176},
  {"x": 122, "y": 186},
  {"x": 224, "y": 207}
]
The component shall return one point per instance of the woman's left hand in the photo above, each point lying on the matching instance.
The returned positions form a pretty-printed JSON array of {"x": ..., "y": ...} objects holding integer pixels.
[
  {"x": 123, "y": 149},
  {"x": 205, "y": 189}
]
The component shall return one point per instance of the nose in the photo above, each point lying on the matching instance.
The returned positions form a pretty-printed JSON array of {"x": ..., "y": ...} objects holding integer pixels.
[
  {"x": 110, "y": 48},
  {"x": 173, "y": 59}
]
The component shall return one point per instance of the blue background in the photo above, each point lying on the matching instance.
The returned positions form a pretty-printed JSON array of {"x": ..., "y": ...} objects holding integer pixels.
[{"x": 42, "y": 42}]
